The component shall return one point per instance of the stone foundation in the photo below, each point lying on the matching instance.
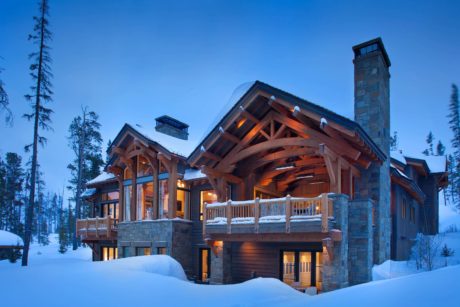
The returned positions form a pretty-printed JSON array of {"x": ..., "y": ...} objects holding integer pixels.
[
  {"x": 174, "y": 235},
  {"x": 221, "y": 263},
  {"x": 360, "y": 241},
  {"x": 335, "y": 268}
]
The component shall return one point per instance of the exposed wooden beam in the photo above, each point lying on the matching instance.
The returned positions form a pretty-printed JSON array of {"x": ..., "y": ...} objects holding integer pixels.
[
  {"x": 249, "y": 116},
  {"x": 216, "y": 174},
  {"x": 228, "y": 136},
  {"x": 212, "y": 156},
  {"x": 271, "y": 144}
]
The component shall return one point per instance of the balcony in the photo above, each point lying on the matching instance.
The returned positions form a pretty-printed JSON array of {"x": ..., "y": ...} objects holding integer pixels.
[
  {"x": 98, "y": 228},
  {"x": 266, "y": 219}
]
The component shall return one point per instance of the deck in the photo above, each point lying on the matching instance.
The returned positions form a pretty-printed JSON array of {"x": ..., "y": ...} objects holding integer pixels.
[
  {"x": 98, "y": 228},
  {"x": 292, "y": 217}
]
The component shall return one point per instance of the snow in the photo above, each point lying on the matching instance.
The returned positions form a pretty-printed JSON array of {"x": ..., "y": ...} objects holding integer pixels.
[
  {"x": 323, "y": 122},
  {"x": 192, "y": 174},
  {"x": 104, "y": 176},
  {"x": 436, "y": 164},
  {"x": 172, "y": 144},
  {"x": 447, "y": 216},
  {"x": 10, "y": 239},
  {"x": 71, "y": 279},
  {"x": 88, "y": 192},
  {"x": 237, "y": 94}
]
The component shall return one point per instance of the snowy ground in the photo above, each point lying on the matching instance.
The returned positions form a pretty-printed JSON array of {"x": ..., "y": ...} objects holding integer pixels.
[{"x": 53, "y": 279}]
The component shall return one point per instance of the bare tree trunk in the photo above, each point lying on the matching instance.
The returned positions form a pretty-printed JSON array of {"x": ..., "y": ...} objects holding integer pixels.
[
  {"x": 30, "y": 208},
  {"x": 81, "y": 145}
]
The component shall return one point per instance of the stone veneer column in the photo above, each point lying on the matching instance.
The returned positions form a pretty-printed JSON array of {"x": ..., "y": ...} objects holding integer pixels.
[
  {"x": 335, "y": 270},
  {"x": 221, "y": 263},
  {"x": 360, "y": 241},
  {"x": 372, "y": 112}
]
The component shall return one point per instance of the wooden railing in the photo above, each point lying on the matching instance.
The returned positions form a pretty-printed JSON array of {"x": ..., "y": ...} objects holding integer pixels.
[
  {"x": 98, "y": 227},
  {"x": 287, "y": 209}
]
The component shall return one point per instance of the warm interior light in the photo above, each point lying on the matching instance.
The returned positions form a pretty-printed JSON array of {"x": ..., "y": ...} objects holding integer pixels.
[{"x": 240, "y": 122}]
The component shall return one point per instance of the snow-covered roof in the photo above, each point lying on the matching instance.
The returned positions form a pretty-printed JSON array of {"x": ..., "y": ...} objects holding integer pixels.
[
  {"x": 10, "y": 239},
  {"x": 172, "y": 144},
  {"x": 104, "y": 176},
  {"x": 191, "y": 174},
  {"x": 436, "y": 164},
  {"x": 88, "y": 192},
  {"x": 237, "y": 94}
]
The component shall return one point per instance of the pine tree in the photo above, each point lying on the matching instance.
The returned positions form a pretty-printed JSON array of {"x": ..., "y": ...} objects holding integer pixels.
[
  {"x": 446, "y": 252},
  {"x": 440, "y": 149},
  {"x": 429, "y": 140},
  {"x": 40, "y": 71},
  {"x": 394, "y": 141},
  {"x": 13, "y": 188},
  {"x": 85, "y": 141},
  {"x": 63, "y": 235},
  {"x": 3, "y": 202},
  {"x": 4, "y": 102},
  {"x": 454, "y": 161}
]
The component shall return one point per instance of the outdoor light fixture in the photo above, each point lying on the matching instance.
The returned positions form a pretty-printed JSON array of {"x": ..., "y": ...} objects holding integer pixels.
[
  {"x": 317, "y": 182},
  {"x": 286, "y": 166},
  {"x": 305, "y": 176}
]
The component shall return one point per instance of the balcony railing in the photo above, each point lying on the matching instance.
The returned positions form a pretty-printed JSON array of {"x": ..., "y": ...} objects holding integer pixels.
[
  {"x": 259, "y": 214},
  {"x": 98, "y": 228}
]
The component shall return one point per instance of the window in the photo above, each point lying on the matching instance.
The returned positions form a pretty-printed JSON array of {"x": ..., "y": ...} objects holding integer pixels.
[
  {"x": 143, "y": 251},
  {"x": 404, "y": 209},
  {"x": 183, "y": 202},
  {"x": 127, "y": 174},
  {"x": 109, "y": 253},
  {"x": 109, "y": 209},
  {"x": 300, "y": 269},
  {"x": 127, "y": 206},
  {"x": 144, "y": 208},
  {"x": 205, "y": 264},
  {"x": 412, "y": 214},
  {"x": 109, "y": 196},
  {"x": 164, "y": 199},
  {"x": 368, "y": 49},
  {"x": 207, "y": 196},
  {"x": 143, "y": 167},
  {"x": 124, "y": 251},
  {"x": 161, "y": 251}
]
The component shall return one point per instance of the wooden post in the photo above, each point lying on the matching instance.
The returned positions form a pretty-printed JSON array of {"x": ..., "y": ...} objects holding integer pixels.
[
  {"x": 229, "y": 216},
  {"x": 97, "y": 226},
  {"x": 339, "y": 176},
  {"x": 288, "y": 213},
  {"x": 107, "y": 224},
  {"x": 172, "y": 190},
  {"x": 204, "y": 219},
  {"x": 156, "y": 191},
  {"x": 121, "y": 200},
  {"x": 256, "y": 214},
  {"x": 134, "y": 193},
  {"x": 324, "y": 213}
]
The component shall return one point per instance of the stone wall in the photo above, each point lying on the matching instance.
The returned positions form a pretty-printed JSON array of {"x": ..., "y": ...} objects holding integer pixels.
[
  {"x": 221, "y": 263},
  {"x": 335, "y": 268},
  {"x": 360, "y": 241},
  {"x": 174, "y": 235}
]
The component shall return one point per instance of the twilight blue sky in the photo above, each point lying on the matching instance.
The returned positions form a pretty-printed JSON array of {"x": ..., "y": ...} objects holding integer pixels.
[{"x": 131, "y": 61}]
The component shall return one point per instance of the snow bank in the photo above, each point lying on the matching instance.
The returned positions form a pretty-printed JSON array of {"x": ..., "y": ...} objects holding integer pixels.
[
  {"x": 391, "y": 269},
  {"x": 157, "y": 264},
  {"x": 10, "y": 239}
]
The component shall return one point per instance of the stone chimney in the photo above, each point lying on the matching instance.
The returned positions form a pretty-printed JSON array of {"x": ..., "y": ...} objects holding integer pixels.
[
  {"x": 172, "y": 127},
  {"x": 372, "y": 112}
]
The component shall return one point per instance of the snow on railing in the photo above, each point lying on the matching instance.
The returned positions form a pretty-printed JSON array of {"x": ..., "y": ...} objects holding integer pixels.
[
  {"x": 96, "y": 227},
  {"x": 286, "y": 209}
]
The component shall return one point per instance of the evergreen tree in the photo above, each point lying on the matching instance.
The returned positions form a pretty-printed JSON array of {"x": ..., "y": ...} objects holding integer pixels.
[
  {"x": 454, "y": 159},
  {"x": 13, "y": 188},
  {"x": 429, "y": 140},
  {"x": 394, "y": 143},
  {"x": 447, "y": 252},
  {"x": 3, "y": 202},
  {"x": 440, "y": 149},
  {"x": 40, "y": 71},
  {"x": 4, "y": 102},
  {"x": 63, "y": 235},
  {"x": 85, "y": 141}
]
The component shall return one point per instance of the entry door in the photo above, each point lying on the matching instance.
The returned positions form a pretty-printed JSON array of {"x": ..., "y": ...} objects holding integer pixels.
[
  {"x": 205, "y": 264},
  {"x": 298, "y": 268}
]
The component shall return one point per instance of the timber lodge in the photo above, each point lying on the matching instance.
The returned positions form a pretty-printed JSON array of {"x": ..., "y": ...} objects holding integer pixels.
[{"x": 280, "y": 187}]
